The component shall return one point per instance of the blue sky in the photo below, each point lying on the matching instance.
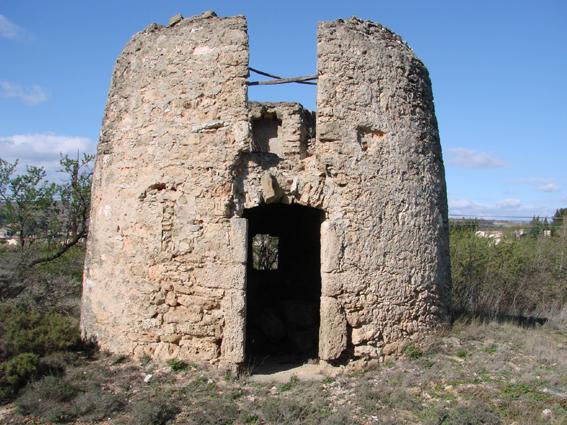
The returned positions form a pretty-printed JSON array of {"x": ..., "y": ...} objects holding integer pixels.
[{"x": 499, "y": 73}]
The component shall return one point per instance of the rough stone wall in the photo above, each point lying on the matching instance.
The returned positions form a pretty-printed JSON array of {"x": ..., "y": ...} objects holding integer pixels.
[
  {"x": 161, "y": 275},
  {"x": 386, "y": 259},
  {"x": 182, "y": 154}
]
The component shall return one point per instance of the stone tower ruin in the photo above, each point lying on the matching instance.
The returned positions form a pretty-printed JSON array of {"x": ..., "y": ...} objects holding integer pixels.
[{"x": 224, "y": 230}]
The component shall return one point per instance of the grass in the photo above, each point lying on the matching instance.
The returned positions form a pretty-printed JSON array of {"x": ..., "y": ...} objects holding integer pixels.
[
  {"x": 177, "y": 365},
  {"x": 413, "y": 352},
  {"x": 480, "y": 373}
]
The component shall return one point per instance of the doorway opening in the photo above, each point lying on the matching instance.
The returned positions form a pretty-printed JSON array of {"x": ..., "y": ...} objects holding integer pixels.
[{"x": 283, "y": 283}]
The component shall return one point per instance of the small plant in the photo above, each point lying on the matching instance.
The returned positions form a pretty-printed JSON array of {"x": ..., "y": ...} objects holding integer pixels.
[
  {"x": 250, "y": 419},
  {"x": 462, "y": 354},
  {"x": 289, "y": 384},
  {"x": 200, "y": 386},
  {"x": 413, "y": 352},
  {"x": 145, "y": 359},
  {"x": 177, "y": 365},
  {"x": 228, "y": 376},
  {"x": 521, "y": 390}
]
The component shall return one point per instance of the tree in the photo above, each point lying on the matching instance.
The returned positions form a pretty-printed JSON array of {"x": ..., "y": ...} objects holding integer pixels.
[
  {"x": 47, "y": 218},
  {"x": 265, "y": 250},
  {"x": 559, "y": 218},
  {"x": 27, "y": 202},
  {"x": 537, "y": 226}
]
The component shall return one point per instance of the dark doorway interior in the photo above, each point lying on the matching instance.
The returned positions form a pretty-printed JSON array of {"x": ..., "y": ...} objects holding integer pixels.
[{"x": 283, "y": 283}]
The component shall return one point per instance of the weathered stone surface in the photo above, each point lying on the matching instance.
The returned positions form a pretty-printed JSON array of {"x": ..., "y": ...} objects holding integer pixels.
[
  {"x": 331, "y": 247},
  {"x": 333, "y": 330},
  {"x": 270, "y": 190},
  {"x": 175, "y": 20},
  {"x": 232, "y": 348},
  {"x": 239, "y": 239},
  {"x": 385, "y": 249},
  {"x": 182, "y": 154}
]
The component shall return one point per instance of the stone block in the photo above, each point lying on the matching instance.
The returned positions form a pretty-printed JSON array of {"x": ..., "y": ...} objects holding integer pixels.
[
  {"x": 333, "y": 330},
  {"x": 239, "y": 239}
]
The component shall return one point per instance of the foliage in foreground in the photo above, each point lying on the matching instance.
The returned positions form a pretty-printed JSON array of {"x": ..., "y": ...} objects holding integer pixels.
[
  {"x": 27, "y": 339},
  {"x": 510, "y": 374},
  {"x": 516, "y": 277},
  {"x": 45, "y": 218}
]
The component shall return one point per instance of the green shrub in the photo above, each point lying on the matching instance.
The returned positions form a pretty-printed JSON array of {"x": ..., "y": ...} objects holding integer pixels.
[
  {"x": 154, "y": 411},
  {"x": 54, "y": 399},
  {"x": 56, "y": 363},
  {"x": 473, "y": 414},
  {"x": 33, "y": 332},
  {"x": 177, "y": 365},
  {"x": 95, "y": 404},
  {"x": 461, "y": 353},
  {"x": 293, "y": 380},
  {"x": 48, "y": 398},
  {"x": 16, "y": 372},
  {"x": 306, "y": 409},
  {"x": 413, "y": 352},
  {"x": 215, "y": 411},
  {"x": 516, "y": 277}
]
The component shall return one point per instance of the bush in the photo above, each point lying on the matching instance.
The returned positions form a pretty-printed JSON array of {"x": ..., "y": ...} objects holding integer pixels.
[
  {"x": 95, "y": 404},
  {"x": 55, "y": 399},
  {"x": 28, "y": 343},
  {"x": 48, "y": 398},
  {"x": 33, "y": 332},
  {"x": 413, "y": 352},
  {"x": 177, "y": 365},
  {"x": 16, "y": 372},
  {"x": 516, "y": 277},
  {"x": 474, "y": 414},
  {"x": 299, "y": 411},
  {"x": 156, "y": 411},
  {"x": 215, "y": 411}
]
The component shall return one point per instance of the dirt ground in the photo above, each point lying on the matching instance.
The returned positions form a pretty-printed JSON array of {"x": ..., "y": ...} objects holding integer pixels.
[{"x": 478, "y": 373}]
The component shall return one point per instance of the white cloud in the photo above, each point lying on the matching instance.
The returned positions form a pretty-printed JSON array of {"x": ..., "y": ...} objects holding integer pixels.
[
  {"x": 32, "y": 96},
  {"x": 42, "y": 149},
  {"x": 473, "y": 159},
  {"x": 541, "y": 185},
  {"x": 462, "y": 204},
  {"x": 8, "y": 29},
  {"x": 509, "y": 203},
  {"x": 504, "y": 208}
]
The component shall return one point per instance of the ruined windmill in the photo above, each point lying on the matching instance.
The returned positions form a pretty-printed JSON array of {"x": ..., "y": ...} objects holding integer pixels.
[{"x": 193, "y": 183}]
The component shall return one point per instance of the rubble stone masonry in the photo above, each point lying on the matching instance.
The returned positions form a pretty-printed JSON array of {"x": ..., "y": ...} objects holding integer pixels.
[{"x": 182, "y": 154}]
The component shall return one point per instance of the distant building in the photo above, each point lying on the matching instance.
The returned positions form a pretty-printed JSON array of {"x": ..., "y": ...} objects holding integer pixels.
[
  {"x": 495, "y": 235},
  {"x": 6, "y": 238}
]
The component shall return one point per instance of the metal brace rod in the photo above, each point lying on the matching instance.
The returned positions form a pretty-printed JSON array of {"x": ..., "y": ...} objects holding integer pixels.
[{"x": 277, "y": 77}]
